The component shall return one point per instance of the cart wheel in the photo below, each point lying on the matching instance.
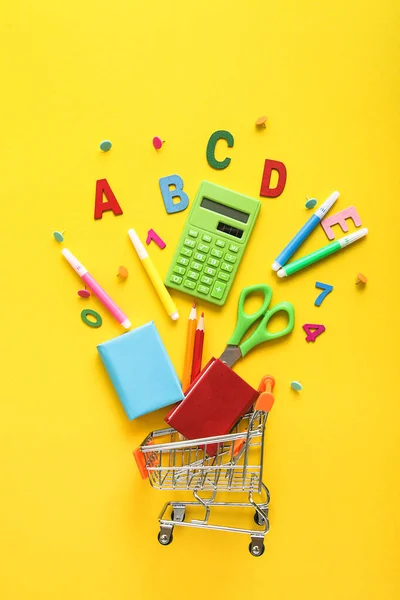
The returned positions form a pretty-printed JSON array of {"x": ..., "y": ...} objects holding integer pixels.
[
  {"x": 173, "y": 517},
  {"x": 259, "y": 519},
  {"x": 164, "y": 538},
  {"x": 257, "y": 548}
]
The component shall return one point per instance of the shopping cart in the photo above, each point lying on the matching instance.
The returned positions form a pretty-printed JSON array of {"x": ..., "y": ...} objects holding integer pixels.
[{"x": 224, "y": 463}]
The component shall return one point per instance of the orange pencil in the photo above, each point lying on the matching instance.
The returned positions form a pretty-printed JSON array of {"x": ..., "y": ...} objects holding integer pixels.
[
  {"x": 187, "y": 365},
  {"x": 198, "y": 348}
]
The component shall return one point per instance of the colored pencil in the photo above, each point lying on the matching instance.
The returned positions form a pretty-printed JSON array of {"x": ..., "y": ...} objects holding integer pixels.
[
  {"x": 198, "y": 348},
  {"x": 191, "y": 331}
]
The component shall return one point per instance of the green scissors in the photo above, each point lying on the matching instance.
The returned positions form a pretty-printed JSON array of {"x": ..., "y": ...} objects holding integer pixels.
[{"x": 235, "y": 349}]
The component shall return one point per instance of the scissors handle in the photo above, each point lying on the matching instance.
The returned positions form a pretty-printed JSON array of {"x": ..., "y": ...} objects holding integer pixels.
[
  {"x": 261, "y": 333},
  {"x": 245, "y": 321}
]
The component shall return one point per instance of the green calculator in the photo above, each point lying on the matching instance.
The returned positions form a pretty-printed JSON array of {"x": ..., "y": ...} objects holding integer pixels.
[{"x": 212, "y": 244}]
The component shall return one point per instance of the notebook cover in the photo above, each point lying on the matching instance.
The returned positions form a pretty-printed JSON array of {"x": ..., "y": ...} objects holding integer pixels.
[
  {"x": 213, "y": 404},
  {"x": 141, "y": 370}
]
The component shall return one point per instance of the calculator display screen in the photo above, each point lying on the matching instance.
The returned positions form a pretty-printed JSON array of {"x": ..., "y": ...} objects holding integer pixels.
[
  {"x": 230, "y": 230},
  {"x": 226, "y": 211}
]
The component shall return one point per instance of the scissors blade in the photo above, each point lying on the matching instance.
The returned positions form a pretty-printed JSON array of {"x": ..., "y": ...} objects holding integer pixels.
[{"x": 230, "y": 355}]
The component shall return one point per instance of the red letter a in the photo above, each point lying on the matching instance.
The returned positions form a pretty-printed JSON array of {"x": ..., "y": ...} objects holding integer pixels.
[{"x": 103, "y": 187}]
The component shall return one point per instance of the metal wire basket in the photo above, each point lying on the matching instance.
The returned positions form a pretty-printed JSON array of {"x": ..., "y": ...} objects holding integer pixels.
[{"x": 225, "y": 463}]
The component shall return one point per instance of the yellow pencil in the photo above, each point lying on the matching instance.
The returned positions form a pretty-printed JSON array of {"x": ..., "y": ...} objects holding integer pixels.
[{"x": 191, "y": 332}]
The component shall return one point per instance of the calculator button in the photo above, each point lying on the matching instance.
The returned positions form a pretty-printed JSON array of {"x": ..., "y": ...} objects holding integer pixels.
[
  {"x": 176, "y": 279},
  {"x": 203, "y": 247},
  {"x": 203, "y": 289},
  {"x": 213, "y": 262},
  {"x": 193, "y": 233},
  {"x": 217, "y": 253},
  {"x": 223, "y": 276},
  {"x": 227, "y": 267},
  {"x": 230, "y": 258},
  {"x": 207, "y": 238},
  {"x": 193, "y": 275},
  {"x": 233, "y": 248},
  {"x": 207, "y": 280},
  {"x": 190, "y": 243},
  {"x": 218, "y": 290},
  {"x": 183, "y": 261},
  {"x": 210, "y": 271},
  {"x": 196, "y": 265},
  {"x": 220, "y": 244},
  {"x": 179, "y": 270},
  {"x": 189, "y": 284},
  {"x": 186, "y": 251},
  {"x": 199, "y": 256}
]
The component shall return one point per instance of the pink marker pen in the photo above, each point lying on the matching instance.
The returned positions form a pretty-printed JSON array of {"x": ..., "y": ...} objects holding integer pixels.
[{"x": 96, "y": 289}]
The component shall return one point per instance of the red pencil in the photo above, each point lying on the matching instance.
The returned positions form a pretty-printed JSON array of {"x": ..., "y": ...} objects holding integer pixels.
[{"x": 198, "y": 348}]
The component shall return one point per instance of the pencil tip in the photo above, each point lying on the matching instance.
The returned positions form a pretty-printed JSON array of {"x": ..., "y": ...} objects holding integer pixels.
[
  {"x": 194, "y": 304},
  {"x": 202, "y": 314}
]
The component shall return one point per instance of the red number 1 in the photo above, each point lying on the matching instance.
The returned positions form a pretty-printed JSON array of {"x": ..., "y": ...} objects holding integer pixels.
[{"x": 152, "y": 235}]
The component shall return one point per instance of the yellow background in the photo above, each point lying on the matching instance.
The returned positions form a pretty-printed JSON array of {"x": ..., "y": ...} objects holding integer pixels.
[{"x": 76, "y": 520}]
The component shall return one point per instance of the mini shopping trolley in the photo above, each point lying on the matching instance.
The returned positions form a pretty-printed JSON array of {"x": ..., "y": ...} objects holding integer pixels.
[{"x": 224, "y": 463}]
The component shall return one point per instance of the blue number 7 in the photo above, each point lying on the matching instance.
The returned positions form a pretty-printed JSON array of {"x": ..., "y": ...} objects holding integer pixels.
[{"x": 322, "y": 286}]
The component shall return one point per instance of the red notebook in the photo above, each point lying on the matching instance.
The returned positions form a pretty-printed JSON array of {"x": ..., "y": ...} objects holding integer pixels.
[{"x": 213, "y": 404}]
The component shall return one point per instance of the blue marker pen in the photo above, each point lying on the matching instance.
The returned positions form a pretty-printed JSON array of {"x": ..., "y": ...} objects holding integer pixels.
[{"x": 304, "y": 232}]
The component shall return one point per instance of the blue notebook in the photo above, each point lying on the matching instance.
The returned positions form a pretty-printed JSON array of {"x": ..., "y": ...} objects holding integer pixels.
[{"x": 141, "y": 371}]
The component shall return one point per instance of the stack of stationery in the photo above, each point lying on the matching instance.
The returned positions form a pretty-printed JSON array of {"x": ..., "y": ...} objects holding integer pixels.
[{"x": 217, "y": 398}]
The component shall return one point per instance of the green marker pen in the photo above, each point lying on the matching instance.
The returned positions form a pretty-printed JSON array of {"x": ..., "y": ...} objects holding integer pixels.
[{"x": 304, "y": 262}]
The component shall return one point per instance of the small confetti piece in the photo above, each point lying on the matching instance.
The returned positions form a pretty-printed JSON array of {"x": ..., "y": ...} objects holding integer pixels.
[
  {"x": 311, "y": 202},
  {"x": 123, "y": 272},
  {"x": 105, "y": 145},
  {"x": 296, "y": 385},
  {"x": 361, "y": 279},
  {"x": 84, "y": 293},
  {"x": 58, "y": 235},
  {"x": 260, "y": 122},
  {"x": 151, "y": 235},
  {"x": 158, "y": 142}
]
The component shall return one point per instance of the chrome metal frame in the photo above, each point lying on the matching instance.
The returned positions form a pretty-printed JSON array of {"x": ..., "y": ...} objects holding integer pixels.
[{"x": 225, "y": 463}]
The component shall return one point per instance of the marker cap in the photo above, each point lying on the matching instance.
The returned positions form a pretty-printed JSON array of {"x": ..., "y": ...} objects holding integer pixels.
[
  {"x": 140, "y": 249},
  {"x": 276, "y": 266},
  {"x": 74, "y": 262}
]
